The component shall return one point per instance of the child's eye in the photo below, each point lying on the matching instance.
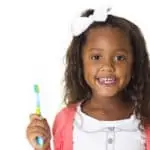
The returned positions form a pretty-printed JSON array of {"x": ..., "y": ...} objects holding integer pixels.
[
  {"x": 120, "y": 58},
  {"x": 96, "y": 57}
]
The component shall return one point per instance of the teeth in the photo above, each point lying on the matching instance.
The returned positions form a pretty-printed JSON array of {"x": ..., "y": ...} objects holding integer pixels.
[{"x": 107, "y": 80}]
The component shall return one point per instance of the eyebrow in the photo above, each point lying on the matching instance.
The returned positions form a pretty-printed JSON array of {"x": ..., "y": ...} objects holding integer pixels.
[
  {"x": 118, "y": 49},
  {"x": 122, "y": 50},
  {"x": 96, "y": 49}
]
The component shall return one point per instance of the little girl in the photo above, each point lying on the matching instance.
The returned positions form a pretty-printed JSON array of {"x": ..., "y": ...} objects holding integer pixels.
[{"x": 106, "y": 89}]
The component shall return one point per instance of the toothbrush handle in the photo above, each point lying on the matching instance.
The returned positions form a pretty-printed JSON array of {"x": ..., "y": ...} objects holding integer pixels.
[{"x": 39, "y": 141}]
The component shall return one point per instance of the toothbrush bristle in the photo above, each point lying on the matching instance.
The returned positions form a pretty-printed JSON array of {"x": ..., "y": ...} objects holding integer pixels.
[{"x": 36, "y": 88}]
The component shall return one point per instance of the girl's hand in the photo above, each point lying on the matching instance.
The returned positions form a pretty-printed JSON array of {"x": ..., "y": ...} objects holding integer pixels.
[{"x": 38, "y": 127}]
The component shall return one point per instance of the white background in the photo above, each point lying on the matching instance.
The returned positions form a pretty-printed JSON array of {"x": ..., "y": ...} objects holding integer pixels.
[{"x": 34, "y": 36}]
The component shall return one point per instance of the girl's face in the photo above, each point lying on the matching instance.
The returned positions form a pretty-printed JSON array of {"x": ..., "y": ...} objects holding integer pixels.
[{"x": 107, "y": 61}]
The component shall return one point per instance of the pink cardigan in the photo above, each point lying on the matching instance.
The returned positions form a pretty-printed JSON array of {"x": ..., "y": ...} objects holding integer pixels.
[{"x": 63, "y": 130}]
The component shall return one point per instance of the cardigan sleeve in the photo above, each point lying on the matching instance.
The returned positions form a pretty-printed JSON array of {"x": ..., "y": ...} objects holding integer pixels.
[{"x": 58, "y": 125}]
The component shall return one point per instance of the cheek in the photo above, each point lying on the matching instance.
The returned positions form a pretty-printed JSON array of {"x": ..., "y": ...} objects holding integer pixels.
[
  {"x": 124, "y": 72},
  {"x": 89, "y": 71}
]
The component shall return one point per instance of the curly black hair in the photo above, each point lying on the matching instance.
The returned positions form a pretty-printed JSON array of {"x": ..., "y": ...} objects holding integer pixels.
[{"x": 138, "y": 89}]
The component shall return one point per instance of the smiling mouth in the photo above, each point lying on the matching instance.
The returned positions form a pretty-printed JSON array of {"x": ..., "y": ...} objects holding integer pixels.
[{"x": 107, "y": 81}]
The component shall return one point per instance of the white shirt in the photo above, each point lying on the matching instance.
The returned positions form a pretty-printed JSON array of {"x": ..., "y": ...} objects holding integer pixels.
[{"x": 92, "y": 134}]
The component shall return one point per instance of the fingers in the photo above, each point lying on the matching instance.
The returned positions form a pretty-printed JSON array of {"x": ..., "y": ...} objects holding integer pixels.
[
  {"x": 40, "y": 131},
  {"x": 40, "y": 123}
]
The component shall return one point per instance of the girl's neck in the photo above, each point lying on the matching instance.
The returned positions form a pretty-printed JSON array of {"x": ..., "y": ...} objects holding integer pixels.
[
  {"x": 107, "y": 102},
  {"x": 102, "y": 107}
]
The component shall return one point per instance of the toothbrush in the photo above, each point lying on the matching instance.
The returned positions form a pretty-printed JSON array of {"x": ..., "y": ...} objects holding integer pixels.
[{"x": 39, "y": 140}]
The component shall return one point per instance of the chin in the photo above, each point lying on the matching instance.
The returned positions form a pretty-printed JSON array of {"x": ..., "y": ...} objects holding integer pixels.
[{"x": 107, "y": 93}]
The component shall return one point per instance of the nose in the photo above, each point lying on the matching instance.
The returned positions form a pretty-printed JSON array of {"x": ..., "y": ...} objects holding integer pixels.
[{"x": 107, "y": 67}]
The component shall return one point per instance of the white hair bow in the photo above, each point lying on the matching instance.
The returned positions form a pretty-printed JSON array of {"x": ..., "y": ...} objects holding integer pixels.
[{"x": 82, "y": 23}]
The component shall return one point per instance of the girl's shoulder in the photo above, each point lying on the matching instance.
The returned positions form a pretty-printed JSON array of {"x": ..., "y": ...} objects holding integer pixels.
[
  {"x": 65, "y": 111},
  {"x": 65, "y": 115}
]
